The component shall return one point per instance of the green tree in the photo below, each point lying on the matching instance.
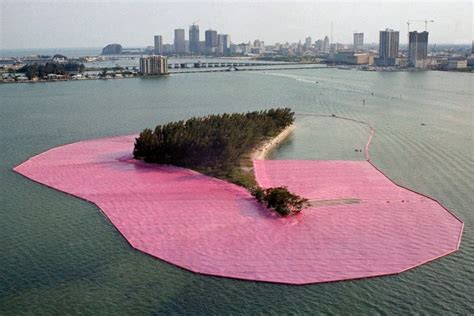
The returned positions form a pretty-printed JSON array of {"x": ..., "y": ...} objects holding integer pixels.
[
  {"x": 103, "y": 73},
  {"x": 280, "y": 199}
]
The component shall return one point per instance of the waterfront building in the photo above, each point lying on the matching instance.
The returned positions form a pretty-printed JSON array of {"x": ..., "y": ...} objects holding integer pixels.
[
  {"x": 326, "y": 44},
  {"x": 179, "y": 41},
  {"x": 388, "y": 48},
  {"x": 335, "y": 47},
  {"x": 194, "y": 45},
  {"x": 352, "y": 58},
  {"x": 418, "y": 49},
  {"x": 234, "y": 49},
  {"x": 211, "y": 41},
  {"x": 154, "y": 65},
  {"x": 223, "y": 44},
  {"x": 158, "y": 47},
  {"x": 456, "y": 63},
  {"x": 168, "y": 49},
  {"x": 318, "y": 45},
  {"x": 258, "y": 43},
  {"x": 358, "y": 40}
]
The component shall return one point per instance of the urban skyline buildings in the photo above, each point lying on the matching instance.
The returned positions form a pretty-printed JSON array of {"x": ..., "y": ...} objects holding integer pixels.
[
  {"x": 154, "y": 65},
  {"x": 358, "y": 40},
  {"x": 388, "y": 47},
  {"x": 179, "y": 41},
  {"x": 158, "y": 44},
  {"x": 417, "y": 49},
  {"x": 218, "y": 44},
  {"x": 326, "y": 44},
  {"x": 194, "y": 43},
  {"x": 223, "y": 44},
  {"x": 210, "y": 41}
]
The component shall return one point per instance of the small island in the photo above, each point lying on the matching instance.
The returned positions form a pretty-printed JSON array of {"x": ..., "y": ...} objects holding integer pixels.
[{"x": 222, "y": 146}]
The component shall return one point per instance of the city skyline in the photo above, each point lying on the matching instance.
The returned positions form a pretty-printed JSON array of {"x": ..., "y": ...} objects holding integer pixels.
[{"x": 276, "y": 22}]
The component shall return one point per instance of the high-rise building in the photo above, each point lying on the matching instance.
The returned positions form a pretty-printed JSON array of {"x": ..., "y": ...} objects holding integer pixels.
[
  {"x": 388, "y": 47},
  {"x": 194, "y": 46},
  {"x": 223, "y": 44},
  {"x": 158, "y": 45},
  {"x": 358, "y": 40},
  {"x": 154, "y": 65},
  {"x": 211, "y": 41},
  {"x": 168, "y": 48},
  {"x": 179, "y": 41},
  {"x": 318, "y": 45},
  {"x": 307, "y": 42},
  {"x": 417, "y": 49},
  {"x": 326, "y": 44}
]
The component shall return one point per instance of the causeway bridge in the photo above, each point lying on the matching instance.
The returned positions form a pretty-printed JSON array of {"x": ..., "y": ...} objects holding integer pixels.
[
  {"x": 233, "y": 66},
  {"x": 223, "y": 64}
]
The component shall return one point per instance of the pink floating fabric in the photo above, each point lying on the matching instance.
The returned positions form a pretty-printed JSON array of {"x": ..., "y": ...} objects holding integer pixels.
[{"x": 213, "y": 227}]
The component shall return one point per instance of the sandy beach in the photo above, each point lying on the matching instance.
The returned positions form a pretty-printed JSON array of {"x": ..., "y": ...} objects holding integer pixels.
[{"x": 262, "y": 151}]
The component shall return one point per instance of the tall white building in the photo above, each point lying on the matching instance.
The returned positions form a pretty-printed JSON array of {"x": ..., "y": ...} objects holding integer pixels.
[
  {"x": 154, "y": 65},
  {"x": 326, "y": 44},
  {"x": 308, "y": 42},
  {"x": 358, "y": 40},
  {"x": 179, "y": 41},
  {"x": 223, "y": 44},
  {"x": 158, "y": 44}
]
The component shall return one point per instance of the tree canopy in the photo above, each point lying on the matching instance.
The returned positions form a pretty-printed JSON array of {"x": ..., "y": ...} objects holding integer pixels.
[
  {"x": 280, "y": 199},
  {"x": 39, "y": 70},
  {"x": 214, "y": 142}
]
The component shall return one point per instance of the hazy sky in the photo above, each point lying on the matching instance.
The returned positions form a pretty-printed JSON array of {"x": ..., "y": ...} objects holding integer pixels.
[{"x": 69, "y": 23}]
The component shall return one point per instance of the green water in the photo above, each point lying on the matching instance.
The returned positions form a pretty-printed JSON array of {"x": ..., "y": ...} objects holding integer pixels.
[{"x": 59, "y": 255}]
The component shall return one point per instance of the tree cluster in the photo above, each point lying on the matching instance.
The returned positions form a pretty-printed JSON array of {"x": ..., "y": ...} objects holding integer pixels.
[
  {"x": 214, "y": 143},
  {"x": 280, "y": 199},
  {"x": 35, "y": 70}
]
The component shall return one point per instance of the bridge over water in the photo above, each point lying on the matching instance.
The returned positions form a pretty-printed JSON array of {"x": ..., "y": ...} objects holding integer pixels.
[
  {"x": 223, "y": 64},
  {"x": 246, "y": 67}
]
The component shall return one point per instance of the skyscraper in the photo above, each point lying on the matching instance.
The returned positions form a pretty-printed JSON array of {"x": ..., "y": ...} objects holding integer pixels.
[
  {"x": 158, "y": 45},
  {"x": 154, "y": 65},
  {"x": 388, "y": 47},
  {"x": 194, "y": 46},
  {"x": 179, "y": 41},
  {"x": 417, "y": 49},
  {"x": 326, "y": 44},
  {"x": 223, "y": 44},
  {"x": 211, "y": 41},
  {"x": 358, "y": 40}
]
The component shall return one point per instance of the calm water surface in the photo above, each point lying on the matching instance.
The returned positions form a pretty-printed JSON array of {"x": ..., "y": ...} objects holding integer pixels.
[{"x": 59, "y": 255}]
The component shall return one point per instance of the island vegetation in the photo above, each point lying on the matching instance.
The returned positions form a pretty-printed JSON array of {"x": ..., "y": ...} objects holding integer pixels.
[
  {"x": 220, "y": 146},
  {"x": 39, "y": 70},
  {"x": 280, "y": 199}
]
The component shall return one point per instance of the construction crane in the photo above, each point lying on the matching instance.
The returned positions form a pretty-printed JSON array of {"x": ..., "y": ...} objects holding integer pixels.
[
  {"x": 426, "y": 30},
  {"x": 424, "y": 21}
]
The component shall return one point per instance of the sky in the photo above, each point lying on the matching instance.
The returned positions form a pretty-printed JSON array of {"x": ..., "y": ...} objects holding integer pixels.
[{"x": 76, "y": 23}]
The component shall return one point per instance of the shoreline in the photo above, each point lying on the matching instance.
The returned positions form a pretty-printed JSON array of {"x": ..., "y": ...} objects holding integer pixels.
[{"x": 262, "y": 151}]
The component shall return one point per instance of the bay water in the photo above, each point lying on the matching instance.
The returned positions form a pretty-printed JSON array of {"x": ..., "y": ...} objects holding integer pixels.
[{"x": 59, "y": 254}]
